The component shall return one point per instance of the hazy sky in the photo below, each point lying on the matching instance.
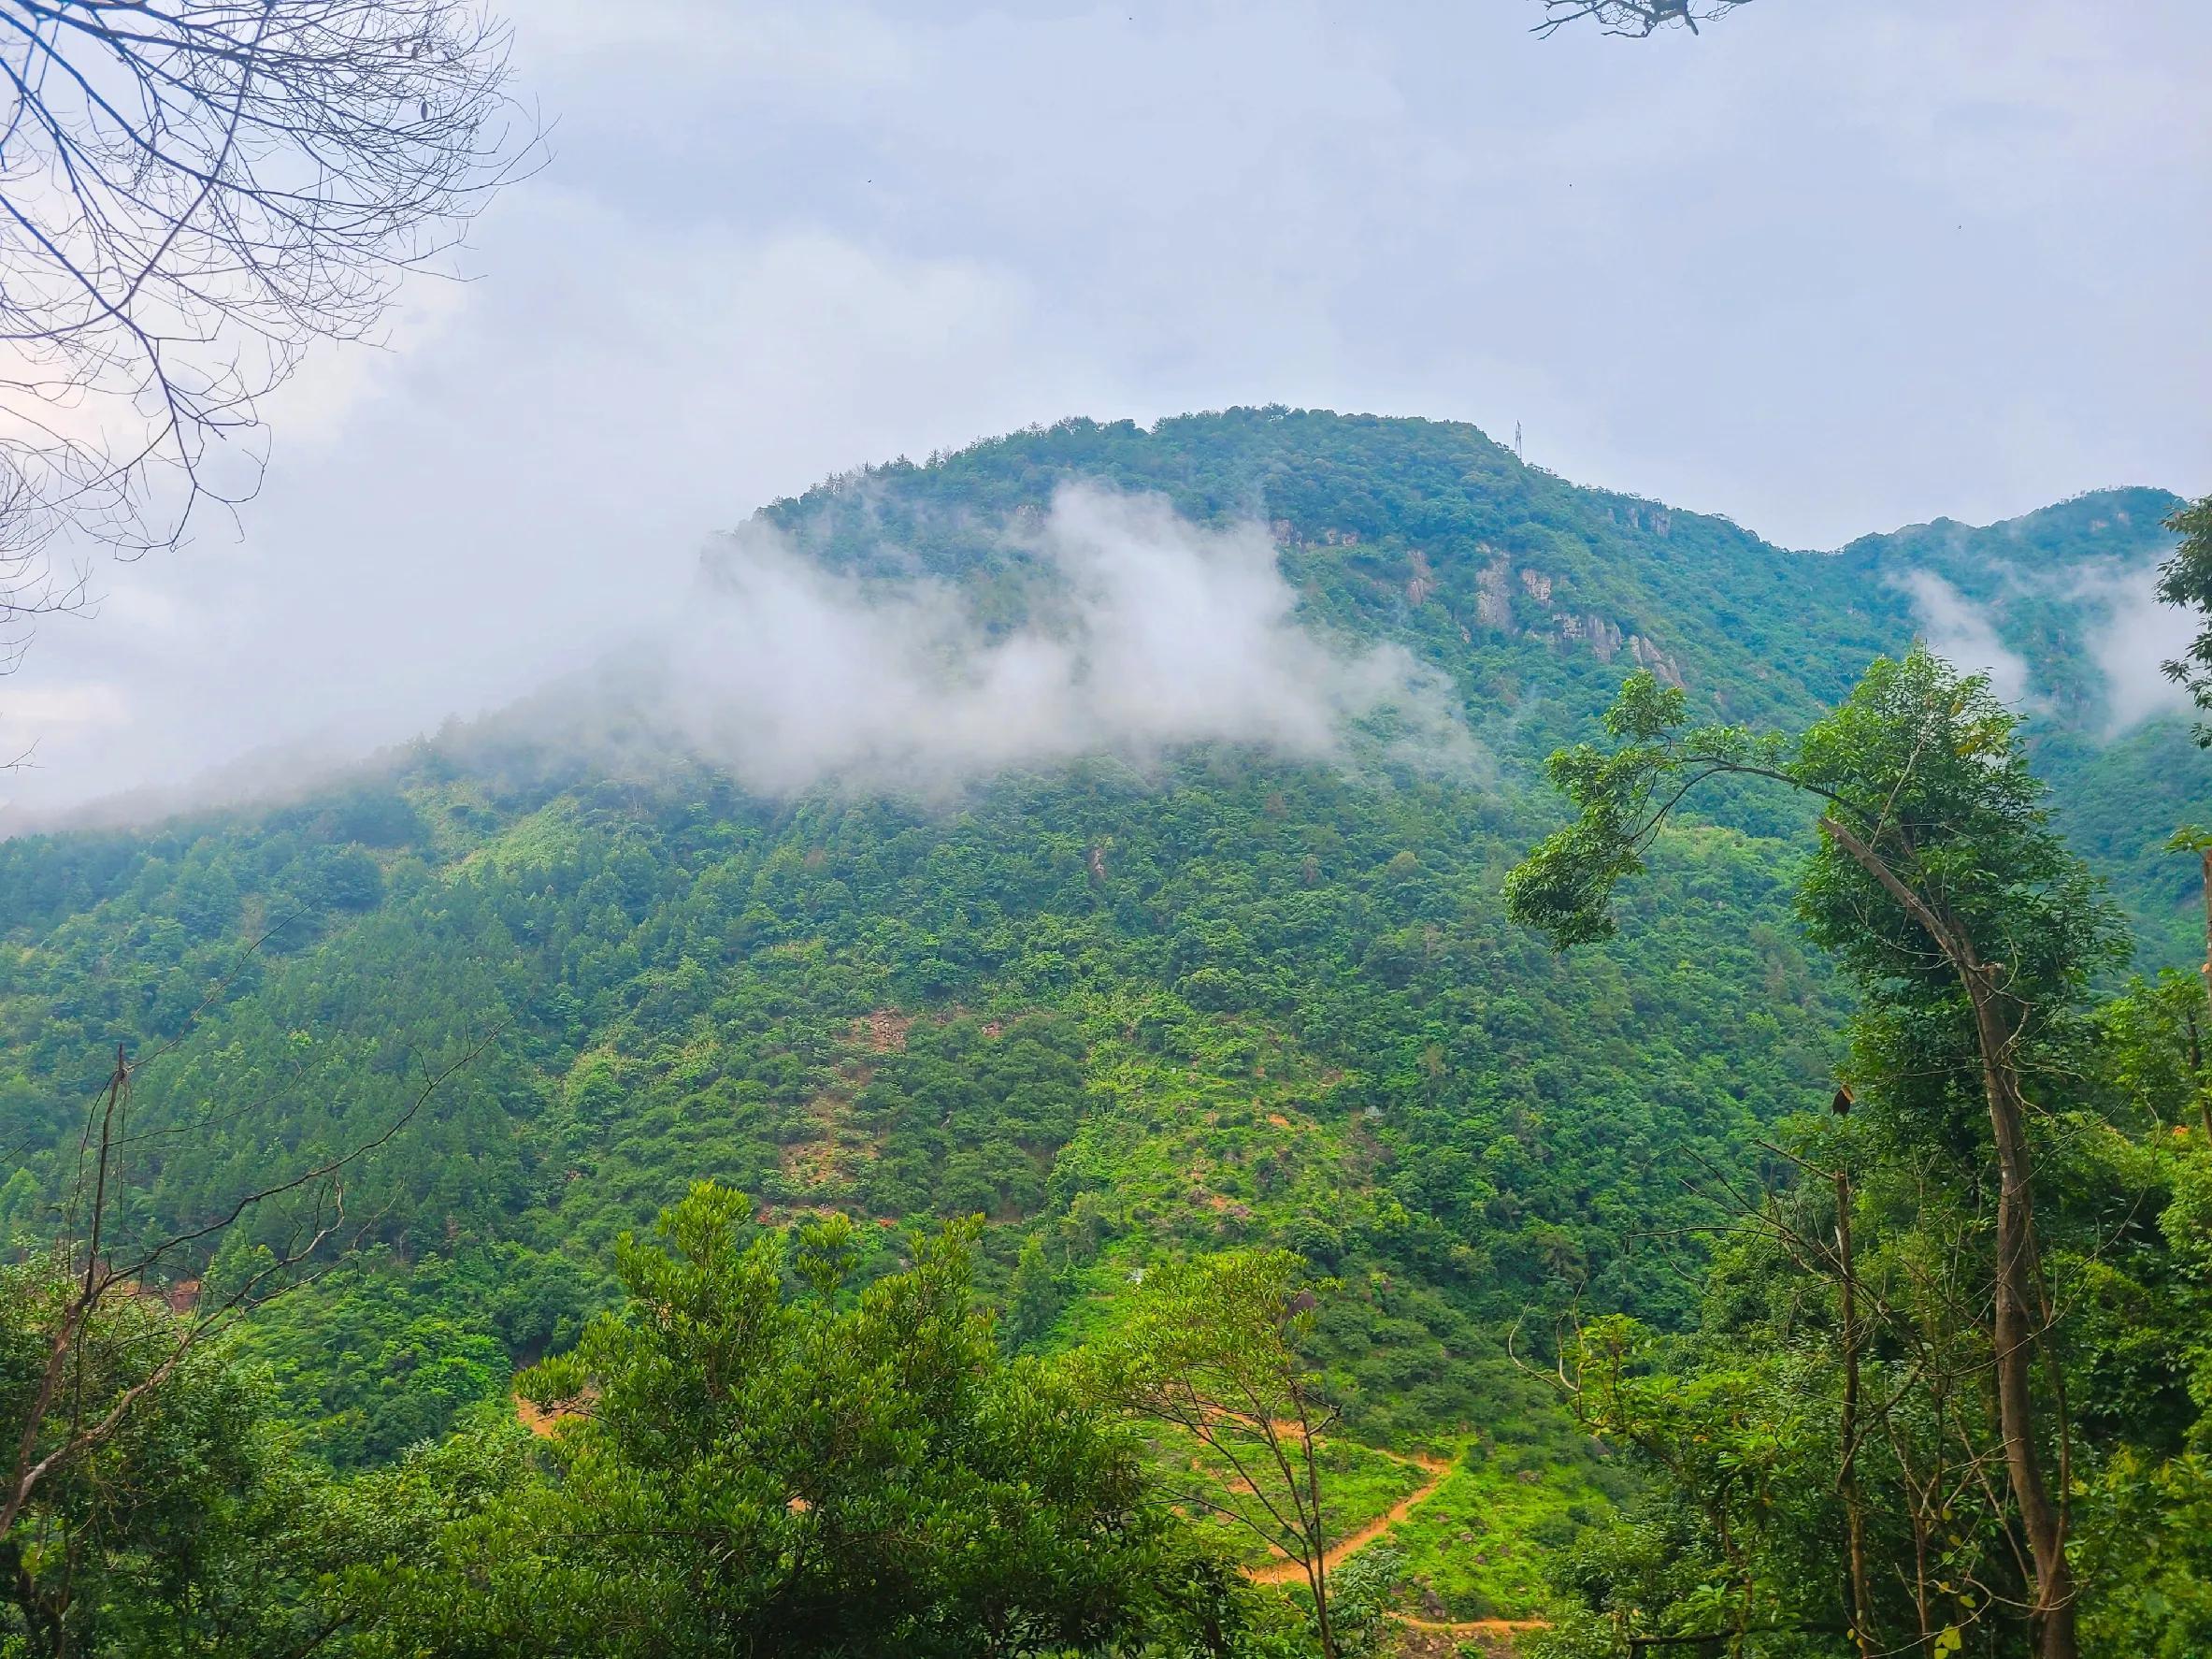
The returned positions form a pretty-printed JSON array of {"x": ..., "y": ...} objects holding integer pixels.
[{"x": 1836, "y": 266}]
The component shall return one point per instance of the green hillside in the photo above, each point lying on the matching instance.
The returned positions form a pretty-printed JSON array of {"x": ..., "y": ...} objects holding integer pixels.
[{"x": 1123, "y": 1013}]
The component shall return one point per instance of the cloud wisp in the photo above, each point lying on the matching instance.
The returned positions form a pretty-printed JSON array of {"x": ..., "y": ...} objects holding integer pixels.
[
  {"x": 1155, "y": 634},
  {"x": 2137, "y": 635},
  {"x": 2127, "y": 633},
  {"x": 1964, "y": 635}
]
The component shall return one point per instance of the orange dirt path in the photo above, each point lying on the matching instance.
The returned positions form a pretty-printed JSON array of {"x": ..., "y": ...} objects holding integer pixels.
[{"x": 1288, "y": 1571}]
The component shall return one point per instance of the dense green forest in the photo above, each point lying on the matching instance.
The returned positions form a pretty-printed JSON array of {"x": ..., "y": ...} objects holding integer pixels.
[{"x": 1131, "y": 1017}]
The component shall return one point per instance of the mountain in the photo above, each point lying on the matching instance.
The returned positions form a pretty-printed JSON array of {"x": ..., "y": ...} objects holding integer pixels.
[{"x": 1122, "y": 1004}]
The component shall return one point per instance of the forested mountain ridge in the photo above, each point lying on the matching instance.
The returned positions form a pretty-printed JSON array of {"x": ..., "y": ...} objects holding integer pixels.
[
  {"x": 1538, "y": 595},
  {"x": 1121, "y": 1014}
]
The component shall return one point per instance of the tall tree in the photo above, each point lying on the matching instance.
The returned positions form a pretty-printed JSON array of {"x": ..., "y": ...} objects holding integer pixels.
[
  {"x": 1970, "y": 929},
  {"x": 195, "y": 1528},
  {"x": 61, "y": 1419},
  {"x": 2186, "y": 580},
  {"x": 1212, "y": 1352}
]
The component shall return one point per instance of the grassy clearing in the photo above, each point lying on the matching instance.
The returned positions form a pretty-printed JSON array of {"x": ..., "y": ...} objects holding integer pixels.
[
  {"x": 1358, "y": 1486},
  {"x": 1478, "y": 1549}
]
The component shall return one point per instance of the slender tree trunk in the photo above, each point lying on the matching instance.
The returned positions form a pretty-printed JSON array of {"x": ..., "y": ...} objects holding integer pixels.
[
  {"x": 2020, "y": 1314},
  {"x": 28, "y": 1601},
  {"x": 1316, "y": 1575},
  {"x": 1847, "y": 1476},
  {"x": 1920, "y": 1575},
  {"x": 2018, "y": 1328},
  {"x": 1318, "y": 1571},
  {"x": 2197, "y": 1067},
  {"x": 2207, "y": 857}
]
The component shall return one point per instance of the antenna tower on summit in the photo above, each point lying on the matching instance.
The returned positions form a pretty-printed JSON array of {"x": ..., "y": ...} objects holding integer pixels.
[{"x": 1517, "y": 441}]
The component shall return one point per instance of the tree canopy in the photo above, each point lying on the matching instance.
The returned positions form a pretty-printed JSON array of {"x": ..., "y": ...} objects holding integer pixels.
[
  {"x": 2186, "y": 580},
  {"x": 751, "y": 1457}
]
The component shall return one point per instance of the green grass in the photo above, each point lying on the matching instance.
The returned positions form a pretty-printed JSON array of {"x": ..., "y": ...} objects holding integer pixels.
[
  {"x": 1476, "y": 1548},
  {"x": 1480, "y": 1545},
  {"x": 1358, "y": 1485}
]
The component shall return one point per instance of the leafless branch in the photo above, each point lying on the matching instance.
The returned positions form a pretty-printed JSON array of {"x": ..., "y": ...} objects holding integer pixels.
[
  {"x": 1635, "y": 19},
  {"x": 96, "y": 1279},
  {"x": 193, "y": 194}
]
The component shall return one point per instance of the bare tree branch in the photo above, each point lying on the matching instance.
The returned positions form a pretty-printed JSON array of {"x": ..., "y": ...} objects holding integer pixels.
[
  {"x": 1635, "y": 19},
  {"x": 193, "y": 194},
  {"x": 41, "y": 1449}
]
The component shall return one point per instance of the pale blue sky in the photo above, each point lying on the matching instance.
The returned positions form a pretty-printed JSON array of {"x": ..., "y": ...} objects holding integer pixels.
[{"x": 1834, "y": 267}]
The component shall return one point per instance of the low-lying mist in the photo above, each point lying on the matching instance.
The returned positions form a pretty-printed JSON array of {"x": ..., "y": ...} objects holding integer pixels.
[
  {"x": 1138, "y": 634},
  {"x": 1147, "y": 633},
  {"x": 2127, "y": 632}
]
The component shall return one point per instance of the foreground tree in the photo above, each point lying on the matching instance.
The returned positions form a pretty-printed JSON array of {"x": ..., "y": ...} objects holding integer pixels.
[
  {"x": 193, "y": 194},
  {"x": 755, "y": 1457},
  {"x": 73, "y": 1401},
  {"x": 1827, "y": 1469},
  {"x": 193, "y": 1528},
  {"x": 2186, "y": 580},
  {"x": 1969, "y": 929},
  {"x": 1212, "y": 1352}
]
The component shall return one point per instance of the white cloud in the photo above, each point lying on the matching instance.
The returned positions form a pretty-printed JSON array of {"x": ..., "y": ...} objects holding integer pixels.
[
  {"x": 1162, "y": 635},
  {"x": 322, "y": 395},
  {"x": 1962, "y": 634},
  {"x": 2137, "y": 636},
  {"x": 37, "y": 712},
  {"x": 2012, "y": 115},
  {"x": 534, "y": 491},
  {"x": 1826, "y": 269},
  {"x": 812, "y": 46}
]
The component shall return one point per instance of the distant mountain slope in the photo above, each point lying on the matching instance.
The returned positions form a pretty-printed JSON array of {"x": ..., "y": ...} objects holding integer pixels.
[
  {"x": 1538, "y": 595},
  {"x": 1429, "y": 529},
  {"x": 1240, "y": 1000}
]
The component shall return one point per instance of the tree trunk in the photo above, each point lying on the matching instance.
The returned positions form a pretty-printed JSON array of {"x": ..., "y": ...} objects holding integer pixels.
[
  {"x": 1317, "y": 1535},
  {"x": 1847, "y": 1476},
  {"x": 1317, "y": 1579},
  {"x": 2203, "y": 1096},
  {"x": 2019, "y": 1325},
  {"x": 2021, "y": 1315}
]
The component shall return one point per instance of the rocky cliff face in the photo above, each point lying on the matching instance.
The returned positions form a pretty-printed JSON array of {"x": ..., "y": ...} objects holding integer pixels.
[{"x": 1568, "y": 630}]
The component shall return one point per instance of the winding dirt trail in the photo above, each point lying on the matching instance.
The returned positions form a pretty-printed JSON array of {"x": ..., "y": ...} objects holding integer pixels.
[
  {"x": 1288, "y": 1571},
  {"x": 1487, "y": 1631}
]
